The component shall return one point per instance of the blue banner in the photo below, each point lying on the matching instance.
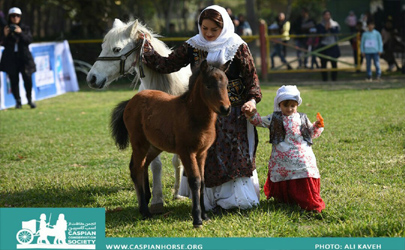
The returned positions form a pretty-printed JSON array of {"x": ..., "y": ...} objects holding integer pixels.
[
  {"x": 84, "y": 228},
  {"x": 55, "y": 74}
]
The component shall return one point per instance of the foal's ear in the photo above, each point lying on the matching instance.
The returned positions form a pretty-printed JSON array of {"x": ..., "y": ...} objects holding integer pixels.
[
  {"x": 204, "y": 66},
  {"x": 225, "y": 67}
]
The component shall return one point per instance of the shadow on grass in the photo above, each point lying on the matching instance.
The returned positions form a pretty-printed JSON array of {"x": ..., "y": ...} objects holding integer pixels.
[{"x": 56, "y": 197}]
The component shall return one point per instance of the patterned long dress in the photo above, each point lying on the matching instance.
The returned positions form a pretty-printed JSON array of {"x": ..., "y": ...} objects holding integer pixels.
[{"x": 231, "y": 159}]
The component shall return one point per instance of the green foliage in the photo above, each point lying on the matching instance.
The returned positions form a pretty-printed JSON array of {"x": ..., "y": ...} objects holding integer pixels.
[{"x": 61, "y": 155}]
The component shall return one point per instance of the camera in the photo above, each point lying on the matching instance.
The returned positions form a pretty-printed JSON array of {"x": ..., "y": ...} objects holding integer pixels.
[{"x": 12, "y": 27}]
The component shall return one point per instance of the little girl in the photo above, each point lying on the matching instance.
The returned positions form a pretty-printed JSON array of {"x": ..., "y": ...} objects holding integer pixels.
[{"x": 293, "y": 176}]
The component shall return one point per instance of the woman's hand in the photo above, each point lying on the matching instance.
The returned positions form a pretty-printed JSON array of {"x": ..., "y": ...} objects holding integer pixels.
[
  {"x": 146, "y": 47},
  {"x": 249, "y": 109}
]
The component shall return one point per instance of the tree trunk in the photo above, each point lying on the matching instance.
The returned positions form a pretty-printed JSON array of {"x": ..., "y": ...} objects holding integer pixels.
[{"x": 251, "y": 15}]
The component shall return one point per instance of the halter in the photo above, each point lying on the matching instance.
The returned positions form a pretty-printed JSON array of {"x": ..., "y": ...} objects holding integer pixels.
[{"x": 124, "y": 57}]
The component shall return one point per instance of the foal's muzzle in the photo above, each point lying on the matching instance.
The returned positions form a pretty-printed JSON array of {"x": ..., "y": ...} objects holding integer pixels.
[{"x": 223, "y": 111}]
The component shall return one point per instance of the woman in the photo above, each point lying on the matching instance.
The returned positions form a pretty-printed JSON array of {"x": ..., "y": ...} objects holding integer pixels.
[
  {"x": 16, "y": 56},
  {"x": 230, "y": 172},
  {"x": 328, "y": 27}
]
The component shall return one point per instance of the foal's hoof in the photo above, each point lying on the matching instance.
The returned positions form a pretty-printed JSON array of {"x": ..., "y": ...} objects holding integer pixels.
[
  {"x": 156, "y": 208},
  {"x": 206, "y": 218},
  {"x": 197, "y": 226}
]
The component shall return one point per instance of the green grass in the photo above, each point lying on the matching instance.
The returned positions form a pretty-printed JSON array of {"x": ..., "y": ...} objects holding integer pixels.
[{"x": 62, "y": 155}]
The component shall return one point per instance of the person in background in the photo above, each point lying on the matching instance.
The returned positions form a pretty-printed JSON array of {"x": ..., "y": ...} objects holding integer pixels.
[
  {"x": 277, "y": 47},
  {"x": 351, "y": 21},
  {"x": 372, "y": 47},
  {"x": 17, "y": 57},
  {"x": 313, "y": 43},
  {"x": 391, "y": 44},
  {"x": 301, "y": 26},
  {"x": 284, "y": 30},
  {"x": 235, "y": 21},
  {"x": 328, "y": 27},
  {"x": 243, "y": 28},
  {"x": 353, "y": 42}
]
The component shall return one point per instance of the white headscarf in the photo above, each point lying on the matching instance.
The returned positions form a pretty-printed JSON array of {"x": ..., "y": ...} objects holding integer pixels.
[
  {"x": 225, "y": 46},
  {"x": 289, "y": 92}
]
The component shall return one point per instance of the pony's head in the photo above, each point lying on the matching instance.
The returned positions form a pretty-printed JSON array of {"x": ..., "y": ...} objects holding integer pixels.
[
  {"x": 121, "y": 49},
  {"x": 214, "y": 88}
]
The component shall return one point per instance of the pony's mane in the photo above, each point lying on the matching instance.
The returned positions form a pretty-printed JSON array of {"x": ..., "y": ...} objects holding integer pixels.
[{"x": 122, "y": 35}]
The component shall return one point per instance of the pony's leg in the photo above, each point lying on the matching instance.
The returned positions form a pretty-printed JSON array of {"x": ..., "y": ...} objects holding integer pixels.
[
  {"x": 201, "y": 163},
  {"x": 137, "y": 167},
  {"x": 157, "y": 194},
  {"x": 194, "y": 181},
  {"x": 178, "y": 173},
  {"x": 156, "y": 206}
]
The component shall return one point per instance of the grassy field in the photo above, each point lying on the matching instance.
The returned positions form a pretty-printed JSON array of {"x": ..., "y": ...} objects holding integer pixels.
[{"x": 61, "y": 155}]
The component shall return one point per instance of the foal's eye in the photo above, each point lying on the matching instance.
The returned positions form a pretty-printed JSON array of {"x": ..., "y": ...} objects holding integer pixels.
[{"x": 116, "y": 50}]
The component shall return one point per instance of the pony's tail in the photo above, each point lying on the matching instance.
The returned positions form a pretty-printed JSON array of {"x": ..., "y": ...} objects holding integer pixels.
[{"x": 118, "y": 130}]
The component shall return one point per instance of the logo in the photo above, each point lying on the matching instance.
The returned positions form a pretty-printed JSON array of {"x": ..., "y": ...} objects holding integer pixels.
[{"x": 52, "y": 228}]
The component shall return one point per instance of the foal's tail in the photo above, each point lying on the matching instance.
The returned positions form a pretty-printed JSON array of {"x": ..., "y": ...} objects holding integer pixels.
[{"x": 118, "y": 130}]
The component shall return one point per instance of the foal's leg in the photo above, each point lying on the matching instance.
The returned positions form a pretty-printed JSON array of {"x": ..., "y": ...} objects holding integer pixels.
[
  {"x": 137, "y": 167},
  {"x": 194, "y": 181},
  {"x": 201, "y": 163},
  {"x": 178, "y": 173}
]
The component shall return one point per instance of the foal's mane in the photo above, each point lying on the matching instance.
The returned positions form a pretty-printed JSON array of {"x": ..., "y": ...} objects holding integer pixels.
[{"x": 194, "y": 76}]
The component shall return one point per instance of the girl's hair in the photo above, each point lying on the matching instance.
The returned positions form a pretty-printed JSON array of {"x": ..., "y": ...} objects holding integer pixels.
[
  {"x": 287, "y": 102},
  {"x": 212, "y": 15}
]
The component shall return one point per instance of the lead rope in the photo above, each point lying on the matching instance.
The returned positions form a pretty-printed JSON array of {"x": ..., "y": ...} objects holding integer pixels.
[{"x": 141, "y": 72}]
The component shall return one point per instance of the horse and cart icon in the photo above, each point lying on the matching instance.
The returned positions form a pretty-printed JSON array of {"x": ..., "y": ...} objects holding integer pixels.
[{"x": 29, "y": 231}]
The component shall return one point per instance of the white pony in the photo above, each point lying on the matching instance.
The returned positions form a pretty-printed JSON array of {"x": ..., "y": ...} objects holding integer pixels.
[{"x": 121, "y": 54}]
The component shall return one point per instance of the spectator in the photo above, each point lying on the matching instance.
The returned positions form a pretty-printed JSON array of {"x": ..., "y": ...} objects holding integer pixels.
[
  {"x": 353, "y": 42},
  {"x": 391, "y": 44},
  {"x": 235, "y": 21},
  {"x": 284, "y": 30},
  {"x": 243, "y": 28},
  {"x": 372, "y": 47},
  {"x": 351, "y": 21},
  {"x": 17, "y": 57},
  {"x": 363, "y": 18},
  {"x": 301, "y": 26},
  {"x": 328, "y": 27},
  {"x": 277, "y": 46},
  {"x": 312, "y": 44}
]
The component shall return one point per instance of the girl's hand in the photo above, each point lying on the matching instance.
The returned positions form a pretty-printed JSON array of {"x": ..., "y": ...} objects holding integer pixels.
[{"x": 319, "y": 121}]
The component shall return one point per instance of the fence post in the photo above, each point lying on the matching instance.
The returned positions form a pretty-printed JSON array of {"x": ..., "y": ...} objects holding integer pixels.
[
  {"x": 358, "y": 41},
  {"x": 263, "y": 47}
]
